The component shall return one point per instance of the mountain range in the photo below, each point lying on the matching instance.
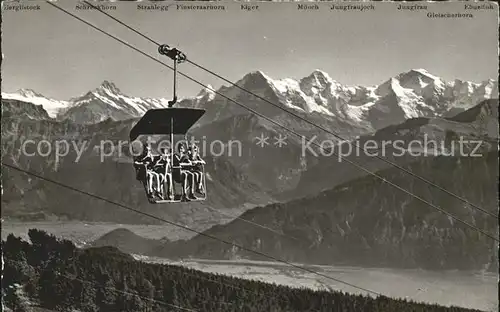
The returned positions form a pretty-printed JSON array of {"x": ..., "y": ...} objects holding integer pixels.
[
  {"x": 106, "y": 101},
  {"x": 416, "y": 93},
  {"x": 350, "y": 112}
]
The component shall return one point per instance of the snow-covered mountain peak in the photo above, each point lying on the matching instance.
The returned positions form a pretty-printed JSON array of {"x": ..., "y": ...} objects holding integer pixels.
[
  {"x": 420, "y": 79},
  {"x": 106, "y": 91},
  {"x": 321, "y": 76},
  {"x": 106, "y": 85},
  {"x": 318, "y": 80},
  {"x": 29, "y": 96},
  {"x": 488, "y": 89},
  {"x": 207, "y": 93},
  {"x": 463, "y": 87},
  {"x": 424, "y": 72},
  {"x": 29, "y": 93},
  {"x": 107, "y": 101},
  {"x": 259, "y": 73},
  {"x": 255, "y": 79}
]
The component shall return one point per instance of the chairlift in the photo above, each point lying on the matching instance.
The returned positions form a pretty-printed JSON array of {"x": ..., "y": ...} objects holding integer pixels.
[{"x": 163, "y": 186}]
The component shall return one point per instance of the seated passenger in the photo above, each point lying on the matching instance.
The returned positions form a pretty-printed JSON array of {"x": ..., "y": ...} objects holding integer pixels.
[
  {"x": 197, "y": 168},
  {"x": 163, "y": 168},
  {"x": 182, "y": 173},
  {"x": 143, "y": 163}
]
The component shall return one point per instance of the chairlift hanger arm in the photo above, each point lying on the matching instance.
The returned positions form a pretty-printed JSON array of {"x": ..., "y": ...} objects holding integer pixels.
[{"x": 178, "y": 57}]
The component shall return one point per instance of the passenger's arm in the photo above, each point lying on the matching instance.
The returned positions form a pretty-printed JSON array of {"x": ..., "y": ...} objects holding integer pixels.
[
  {"x": 199, "y": 161},
  {"x": 186, "y": 162}
]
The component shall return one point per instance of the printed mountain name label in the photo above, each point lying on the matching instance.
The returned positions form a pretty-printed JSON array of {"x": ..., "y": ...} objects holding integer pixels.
[
  {"x": 247, "y": 7},
  {"x": 353, "y": 7},
  {"x": 201, "y": 7},
  {"x": 307, "y": 7},
  {"x": 479, "y": 7},
  {"x": 412, "y": 7},
  {"x": 101, "y": 7},
  {"x": 22, "y": 7},
  {"x": 152, "y": 7},
  {"x": 449, "y": 15}
]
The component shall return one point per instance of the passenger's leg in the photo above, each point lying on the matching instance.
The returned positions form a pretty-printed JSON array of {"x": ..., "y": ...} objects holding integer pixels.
[
  {"x": 193, "y": 181},
  {"x": 192, "y": 185},
  {"x": 146, "y": 187},
  {"x": 150, "y": 181},
  {"x": 154, "y": 179},
  {"x": 184, "y": 183},
  {"x": 196, "y": 179},
  {"x": 158, "y": 187},
  {"x": 169, "y": 185},
  {"x": 157, "y": 180},
  {"x": 161, "y": 185},
  {"x": 200, "y": 186},
  {"x": 189, "y": 179}
]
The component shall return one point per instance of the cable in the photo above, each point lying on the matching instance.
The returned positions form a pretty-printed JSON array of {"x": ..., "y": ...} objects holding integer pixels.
[
  {"x": 254, "y": 223},
  {"x": 204, "y": 234},
  {"x": 350, "y": 142},
  {"x": 231, "y": 285},
  {"x": 245, "y": 220},
  {"x": 145, "y": 298},
  {"x": 187, "y": 228},
  {"x": 181, "y": 270},
  {"x": 308, "y": 121},
  {"x": 128, "y": 293},
  {"x": 123, "y": 24},
  {"x": 280, "y": 125}
]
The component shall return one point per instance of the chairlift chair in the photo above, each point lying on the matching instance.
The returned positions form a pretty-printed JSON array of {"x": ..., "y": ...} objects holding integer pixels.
[{"x": 169, "y": 121}]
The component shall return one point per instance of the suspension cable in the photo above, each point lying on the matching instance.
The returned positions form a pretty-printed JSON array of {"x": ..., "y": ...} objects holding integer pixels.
[
  {"x": 280, "y": 125},
  {"x": 407, "y": 171},
  {"x": 75, "y": 278},
  {"x": 123, "y": 206}
]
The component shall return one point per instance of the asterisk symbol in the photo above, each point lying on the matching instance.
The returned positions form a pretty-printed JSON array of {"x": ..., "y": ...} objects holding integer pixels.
[
  {"x": 280, "y": 141},
  {"x": 262, "y": 140}
]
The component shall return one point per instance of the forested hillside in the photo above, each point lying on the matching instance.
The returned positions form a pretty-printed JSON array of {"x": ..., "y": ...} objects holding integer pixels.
[{"x": 54, "y": 274}]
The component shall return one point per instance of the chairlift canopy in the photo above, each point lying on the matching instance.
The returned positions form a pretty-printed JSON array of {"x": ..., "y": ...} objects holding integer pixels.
[{"x": 166, "y": 121}]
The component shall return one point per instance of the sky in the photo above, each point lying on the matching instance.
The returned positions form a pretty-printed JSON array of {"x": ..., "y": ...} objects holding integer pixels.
[{"x": 60, "y": 57}]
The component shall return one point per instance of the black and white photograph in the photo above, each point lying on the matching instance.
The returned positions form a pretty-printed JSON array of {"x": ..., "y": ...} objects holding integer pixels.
[{"x": 223, "y": 156}]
